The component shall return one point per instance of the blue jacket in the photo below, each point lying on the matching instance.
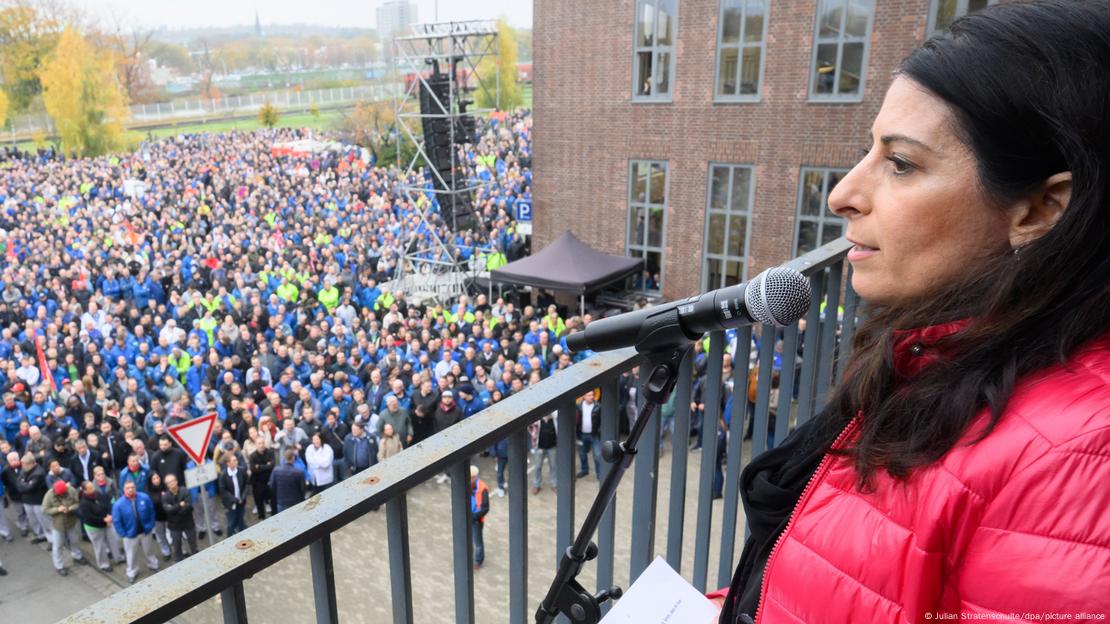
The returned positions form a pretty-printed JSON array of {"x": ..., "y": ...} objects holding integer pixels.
[
  {"x": 141, "y": 479},
  {"x": 123, "y": 515}
]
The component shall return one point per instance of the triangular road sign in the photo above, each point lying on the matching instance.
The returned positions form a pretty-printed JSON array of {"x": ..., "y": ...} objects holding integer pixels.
[{"x": 193, "y": 436}]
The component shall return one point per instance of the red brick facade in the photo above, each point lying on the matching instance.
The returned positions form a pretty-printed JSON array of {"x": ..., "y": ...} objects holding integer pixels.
[{"x": 587, "y": 127}]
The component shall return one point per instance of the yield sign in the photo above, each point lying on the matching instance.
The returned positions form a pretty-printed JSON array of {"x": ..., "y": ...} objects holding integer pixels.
[{"x": 193, "y": 436}]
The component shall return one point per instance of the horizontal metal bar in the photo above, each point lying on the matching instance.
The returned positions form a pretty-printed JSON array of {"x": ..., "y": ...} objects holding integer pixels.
[
  {"x": 210, "y": 571},
  {"x": 821, "y": 258}
]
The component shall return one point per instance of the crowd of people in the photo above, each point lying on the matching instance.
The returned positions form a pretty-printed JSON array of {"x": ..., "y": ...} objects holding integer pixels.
[{"x": 257, "y": 287}]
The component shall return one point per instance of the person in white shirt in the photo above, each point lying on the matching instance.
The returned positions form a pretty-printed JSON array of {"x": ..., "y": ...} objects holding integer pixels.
[
  {"x": 319, "y": 457},
  {"x": 589, "y": 425}
]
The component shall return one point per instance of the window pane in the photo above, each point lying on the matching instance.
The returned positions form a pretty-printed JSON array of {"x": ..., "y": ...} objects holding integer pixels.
[
  {"x": 753, "y": 22},
  {"x": 713, "y": 273},
  {"x": 831, "y": 232},
  {"x": 636, "y": 226},
  {"x": 737, "y": 226},
  {"x": 811, "y": 192},
  {"x": 828, "y": 12},
  {"x": 749, "y": 77},
  {"x": 655, "y": 268},
  {"x": 730, "y": 22},
  {"x": 662, "y": 74},
  {"x": 655, "y": 227},
  {"x": 639, "y": 182},
  {"x": 665, "y": 22},
  {"x": 851, "y": 68},
  {"x": 718, "y": 188},
  {"x": 741, "y": 179},
  {"x": 825, "y": 68},
  {"x": 856, "y": 24},
  {"x": 726, "y": 78},
  {"x": 716, "y": 244},
  {"x": 946, "y": 14},
  {"x": 658, "y": 183},
  {"x": 975, "y": 5},
  {"x": 834, "y": 177},
  {"x": 643, "y": 73},
  {"x": 645, "y": 25},
  {"x": 733, "y": 272},
  {"x": 807, "y": 236}
]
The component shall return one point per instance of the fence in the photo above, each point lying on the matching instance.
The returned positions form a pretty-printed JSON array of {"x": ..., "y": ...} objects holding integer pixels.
[
  {"x": 220, "y": 571},
  {"x": 144, "y": 115}
]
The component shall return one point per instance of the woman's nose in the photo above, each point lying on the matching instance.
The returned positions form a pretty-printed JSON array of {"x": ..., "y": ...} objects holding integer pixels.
[{"x": 848, "y": 198}]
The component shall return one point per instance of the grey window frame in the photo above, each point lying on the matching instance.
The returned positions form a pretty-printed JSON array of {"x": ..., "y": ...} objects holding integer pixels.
[
  {"x": 841, "y": 39},
  {"x": 647, "y": 205},
  {"x": 709, "y": 211},
  {"x": 740, "y": 47},
  {"x": 961, "y": 10},
  {"x": 655, "y": 48},
  {"x": 823, "y": 216}
]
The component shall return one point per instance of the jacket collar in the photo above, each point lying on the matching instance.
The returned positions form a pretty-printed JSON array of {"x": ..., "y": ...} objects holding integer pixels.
[{"x": 914, "y": 349}]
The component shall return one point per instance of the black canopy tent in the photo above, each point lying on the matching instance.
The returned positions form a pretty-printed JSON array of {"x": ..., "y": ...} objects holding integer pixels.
[{"x": 569, "y": 265}]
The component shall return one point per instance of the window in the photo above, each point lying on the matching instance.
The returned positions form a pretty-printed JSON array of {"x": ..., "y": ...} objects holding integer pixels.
[
  {"x": 647, "y": 207},
  {"x": 840, "y": 49},
  {"x": 741, "y": 41},
  {"x": 653, "y": 63},
  {"x": 944, "y": 12},
  {"x": 727, "y": 215},
  {"x": 815, "y": 225}
]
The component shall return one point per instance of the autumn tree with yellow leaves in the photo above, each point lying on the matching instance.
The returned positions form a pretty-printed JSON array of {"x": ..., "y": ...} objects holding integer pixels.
[
  {"x": 498, "y": 82},
  {"x": 82, "y": 95}
]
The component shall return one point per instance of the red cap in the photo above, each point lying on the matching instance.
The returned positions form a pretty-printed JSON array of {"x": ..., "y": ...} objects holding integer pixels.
[
  {"x": 59, "y": 487},
  {"x": 17, "y": 388}
]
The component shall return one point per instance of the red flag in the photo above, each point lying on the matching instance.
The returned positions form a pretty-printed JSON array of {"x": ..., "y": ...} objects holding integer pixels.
[{"x": 42, "y": 365}]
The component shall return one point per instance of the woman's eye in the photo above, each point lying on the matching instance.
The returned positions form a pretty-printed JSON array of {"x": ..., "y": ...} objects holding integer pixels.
[{"x": 901, "y": 166}]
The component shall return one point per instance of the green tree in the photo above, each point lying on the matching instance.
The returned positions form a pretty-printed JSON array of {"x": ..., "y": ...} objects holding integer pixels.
[
  {"x": 498, "y": 82},
  {"x": 26, "y": 38},
  {"x": 82, "y": 95},
  {"x": 268, "y": 115}
]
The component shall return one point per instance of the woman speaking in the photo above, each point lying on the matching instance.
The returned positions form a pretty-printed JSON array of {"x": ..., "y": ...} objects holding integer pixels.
[{"x": 962, "y": 469}]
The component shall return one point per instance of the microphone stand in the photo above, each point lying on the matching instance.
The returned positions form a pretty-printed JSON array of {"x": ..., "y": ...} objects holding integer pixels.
[{"x": 664, "y": 343}]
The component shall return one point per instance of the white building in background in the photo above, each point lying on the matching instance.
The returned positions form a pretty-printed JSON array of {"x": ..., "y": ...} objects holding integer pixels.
[{"x": 395, "y": 17}]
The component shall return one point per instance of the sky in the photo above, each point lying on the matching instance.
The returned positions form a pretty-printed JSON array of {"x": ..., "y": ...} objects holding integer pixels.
[{"x": 351, "y": 13}]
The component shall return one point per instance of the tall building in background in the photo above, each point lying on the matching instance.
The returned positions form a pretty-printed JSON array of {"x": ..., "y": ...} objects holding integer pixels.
[
  {"x": 704, "y": 135},
  {"x": 395, "y": 17}
]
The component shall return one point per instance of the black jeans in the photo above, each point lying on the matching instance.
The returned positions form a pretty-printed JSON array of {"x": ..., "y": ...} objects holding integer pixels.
[{"x": 177, "y": 536}]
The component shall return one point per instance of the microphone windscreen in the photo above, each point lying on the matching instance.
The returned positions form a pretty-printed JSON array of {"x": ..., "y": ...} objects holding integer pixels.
[{"x": 778, "y": 296}]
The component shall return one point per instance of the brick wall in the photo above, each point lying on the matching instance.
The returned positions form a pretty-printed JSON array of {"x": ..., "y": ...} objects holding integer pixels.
[{"x": 587, "y": 128}]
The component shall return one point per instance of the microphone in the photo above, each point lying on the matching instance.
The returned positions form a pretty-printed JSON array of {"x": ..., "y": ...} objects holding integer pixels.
[{"x": 778, "y": 296}]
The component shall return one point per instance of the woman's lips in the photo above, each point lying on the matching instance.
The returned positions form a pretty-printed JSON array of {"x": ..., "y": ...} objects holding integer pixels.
[{"x": 861, "y": 252}]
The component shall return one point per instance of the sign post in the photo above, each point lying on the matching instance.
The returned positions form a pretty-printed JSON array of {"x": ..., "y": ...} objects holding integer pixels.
[
  {"x": 193, "y": 437},
  {"x": 524, "y": 217}
]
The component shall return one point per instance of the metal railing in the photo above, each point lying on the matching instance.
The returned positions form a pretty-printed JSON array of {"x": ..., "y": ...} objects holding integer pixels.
[{"x": 222, "y": 569}]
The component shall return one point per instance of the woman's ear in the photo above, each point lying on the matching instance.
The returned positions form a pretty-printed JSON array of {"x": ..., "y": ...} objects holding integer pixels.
[{"x": 1038, "y": 213}]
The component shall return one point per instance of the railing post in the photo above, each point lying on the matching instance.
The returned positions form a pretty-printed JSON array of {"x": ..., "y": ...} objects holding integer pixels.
[
  {"x": 645, "y": 489},
  {"x": 400, "y": 570},
  {"x": 606, "y": 531},
  {"x": 786, "y": 383},
  {"x": 463, "y": 544},
  {"x": 711, "y": 397},
  {"x": 848, "y": 326},
  {"x": 763, "y": 389},
  {"x": 564, "y": 465},
  {"x": 811, "y": 350},
  {"x": 680, "y": 456},
  {"x": 234, "y": 603},
  {"x": 738, "y": 417},
  {"x": 323, "y": 580},
  {"x": 828, "y": 333},
  {"x": 518, "y": 527}
]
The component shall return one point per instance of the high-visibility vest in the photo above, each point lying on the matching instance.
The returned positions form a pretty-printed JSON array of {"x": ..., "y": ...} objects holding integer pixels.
[{"x": 476, "y": 492}]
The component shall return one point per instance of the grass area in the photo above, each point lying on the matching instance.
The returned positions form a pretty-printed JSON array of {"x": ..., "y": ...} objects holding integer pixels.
[
  {"x": 324, "y": 121},
  {"x": 526, "y": 92}
]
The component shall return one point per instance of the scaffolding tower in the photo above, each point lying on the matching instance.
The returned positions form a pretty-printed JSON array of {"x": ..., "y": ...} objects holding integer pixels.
[{"x": 439, "y": 64}]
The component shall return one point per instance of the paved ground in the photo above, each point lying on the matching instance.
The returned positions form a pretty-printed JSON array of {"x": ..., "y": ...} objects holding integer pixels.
[{"x": 283, "y": 593}]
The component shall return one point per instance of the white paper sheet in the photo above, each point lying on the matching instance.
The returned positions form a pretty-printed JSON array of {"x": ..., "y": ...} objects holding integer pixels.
[{"x": 661, "y": 596}]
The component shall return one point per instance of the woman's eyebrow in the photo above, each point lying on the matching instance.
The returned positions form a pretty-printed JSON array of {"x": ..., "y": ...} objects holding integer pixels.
[{"x": 887, "y": 139}]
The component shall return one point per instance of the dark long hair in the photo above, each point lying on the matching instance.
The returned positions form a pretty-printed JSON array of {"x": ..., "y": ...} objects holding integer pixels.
[{"x": 1029, "y": 88}]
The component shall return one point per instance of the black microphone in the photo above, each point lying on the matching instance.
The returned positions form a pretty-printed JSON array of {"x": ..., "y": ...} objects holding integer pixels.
[{"x": 778, "y": 296}]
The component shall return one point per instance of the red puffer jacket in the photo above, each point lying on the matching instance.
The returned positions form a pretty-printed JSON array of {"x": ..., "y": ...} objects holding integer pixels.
[{"x": 1018, "y": 523}]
